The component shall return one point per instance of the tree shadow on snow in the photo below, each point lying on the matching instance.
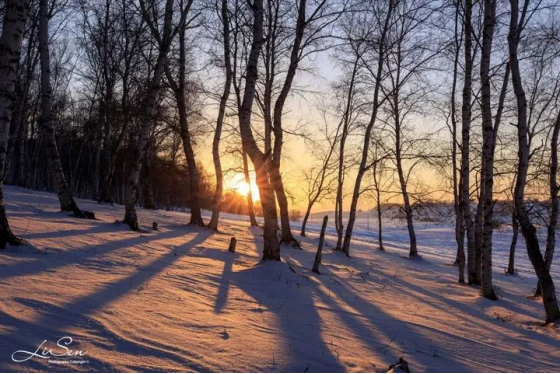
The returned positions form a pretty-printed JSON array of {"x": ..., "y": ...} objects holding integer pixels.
[
  {"x": 50, "y": 261},
  {"x": 285, "y": 301},
  {"x": 56, "y": 321}
]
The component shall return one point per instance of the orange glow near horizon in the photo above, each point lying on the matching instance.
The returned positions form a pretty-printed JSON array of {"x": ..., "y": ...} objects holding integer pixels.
[{"x": 238, "y": 184}]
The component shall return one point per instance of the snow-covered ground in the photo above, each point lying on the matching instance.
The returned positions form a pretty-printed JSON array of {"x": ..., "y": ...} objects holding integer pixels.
[{"x": 176, "y": 300}]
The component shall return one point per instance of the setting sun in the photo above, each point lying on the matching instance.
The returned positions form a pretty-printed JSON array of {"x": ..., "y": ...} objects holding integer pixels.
[{"x": 238, "y": 184}]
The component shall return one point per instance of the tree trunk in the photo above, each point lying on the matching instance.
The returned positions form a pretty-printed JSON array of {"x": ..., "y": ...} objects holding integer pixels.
[
  {"x": 527, "y": 228},
  {"x": 216, "y": 202},
  {"x": 465, "y": 149},
  {"x": 367, "y": 135},
  {"x": 65, "y": 197},
  {"x": 15, "y": 16},
  {"x": 319, "y": 254},
  {"x": 305, "y": 218},
  {"x": 515, "y": 230},
  {"x": 179, "y": 88},
  {"x": 276, "y": 177},
  {"x": 554, "y": 203},
  {"x": 340, "y": 178},
  {"x": 132, "y": 188},
  {"x": 487, "y": 150},
  {"x": 196, "y": 216},
  {"x": 402, "y": 180},
  {"x": 250, "y": 206},
  {"x": 459, "y": 220},
  {"x": 261, "y": 161},
  {"x": 377, "y": 186}
]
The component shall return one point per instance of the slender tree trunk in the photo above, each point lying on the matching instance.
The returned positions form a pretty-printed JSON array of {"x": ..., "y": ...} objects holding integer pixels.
[
  {"x": 250, "y": 206},
  {"x": 487, "y": 150},
  {"x": 340, "y": 178},
  {"x": 181, "y": 97},
  {"x": 402, "y": 179},
  {"x": 132, "y": 188},
  {"x": 527, "y": 228},
  {"x": 196, "y": 216},
  {"x": 13, "y": 25},
  {"x": 377, "y": 186},
  {"x": 305, "y": 218},
  {"x": 216, "y": 202},
  {"x": 367, "y": 135},
  {"x": 479, "y": 222},
  {"x": 457, "y": 190},
  {"x": 276, "y": 177},
  {"x": 554, "y": 203},
  {"x": 65, "y": 197},
  {"x": 515, "y": 231},
  {"x": 319, "y": 254},
  {"x": 261, "y": 161},
  {"x": 465, "y": 149}
]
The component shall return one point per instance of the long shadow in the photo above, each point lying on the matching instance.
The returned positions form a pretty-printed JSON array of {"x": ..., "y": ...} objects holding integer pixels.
[
  {"x": 223, "y": 288},
  {"x": 54, "y": 322},
  {"x": 442, "y": 345},
  {"x": 101, "y": 228},
  {"x": 383, "y": 334},
  {"x": 52, "y": 260},
  {"x": 378, "y": 331},
  {"x": 288, "y": 314},
  {"x": 464, "y": 308}
]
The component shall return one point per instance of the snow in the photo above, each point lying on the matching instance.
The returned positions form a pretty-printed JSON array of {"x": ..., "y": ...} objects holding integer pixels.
[{"x": 176, "y": 300}]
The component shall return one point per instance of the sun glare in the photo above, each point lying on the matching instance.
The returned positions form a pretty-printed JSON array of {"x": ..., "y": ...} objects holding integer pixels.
[{"x": 238, "y": 184}]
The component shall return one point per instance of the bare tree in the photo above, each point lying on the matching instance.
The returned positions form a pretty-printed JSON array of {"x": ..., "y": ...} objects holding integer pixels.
[
  {"x": 347, "y": 117},
  {"x": 319, "y": 181},
  {"x": 65, "y": 197},
  {"x": 378, "y": 172},
  {"x": 307, "y": 31},
  {"x": 164, "y": 39},
  {"x": 260, "y": 160},
  {"x": 216, "y": 204},
  {"x": 15, "y": 16},
  {"x": 407, "y": 60},
  {"x": 554, "y": 203},
  {"x": 456, "y": 179},
  {"x": 488, "y": 149},
  {"x": 179, "y": 87},
  {"x": 239, "y": 55},
  {"x": 385, "y": 18},
  {"x": 527, "y": 228},
  {"x": 466, "y": 118}
]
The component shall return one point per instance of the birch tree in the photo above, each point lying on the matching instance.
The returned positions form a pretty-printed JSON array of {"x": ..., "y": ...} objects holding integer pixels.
[
  {"x": 406, "y": 60},
  {"x": 527, "y": 228},
  {"x": 65, "y": 197},
  {"x": 163, "y": 39},
  {"x": 216, "y": 204},
  {"x": 179, "y": 87},
  {"x": 261, "y": 160},
  {"x": 384, "y": 16},
  {"x": 319, "y": 178},
  {"x": 15, "y": 16}
]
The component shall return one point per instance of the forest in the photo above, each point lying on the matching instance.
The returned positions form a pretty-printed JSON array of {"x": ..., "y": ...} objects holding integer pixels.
[{"x": 275, "y": 113}]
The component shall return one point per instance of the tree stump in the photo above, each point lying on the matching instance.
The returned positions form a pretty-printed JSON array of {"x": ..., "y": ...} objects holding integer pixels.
[
  {"x": 319, "y": 254},
  {"x": 232, "y": 244}
]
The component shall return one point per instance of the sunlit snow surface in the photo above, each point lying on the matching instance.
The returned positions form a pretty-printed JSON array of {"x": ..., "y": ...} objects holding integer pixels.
[{"x": 176, "y": 300}]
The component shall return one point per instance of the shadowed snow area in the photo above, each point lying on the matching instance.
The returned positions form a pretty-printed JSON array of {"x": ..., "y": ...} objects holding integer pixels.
[{"x": 176, "y": 300}]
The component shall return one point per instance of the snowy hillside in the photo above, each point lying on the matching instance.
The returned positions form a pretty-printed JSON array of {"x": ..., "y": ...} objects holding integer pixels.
[{"x": 176, "y": 300}]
